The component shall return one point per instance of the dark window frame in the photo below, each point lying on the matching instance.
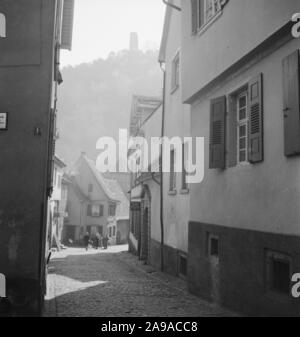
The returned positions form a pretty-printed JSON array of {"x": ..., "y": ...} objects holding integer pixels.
[
  {"x": 272, "y": 285},
  {"x": 211, "y": 250}
]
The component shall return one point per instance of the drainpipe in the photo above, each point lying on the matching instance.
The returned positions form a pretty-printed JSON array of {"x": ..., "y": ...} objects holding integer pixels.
[
  {"x": 161, "y": 171},
  {"x": 171, "y": 5}
]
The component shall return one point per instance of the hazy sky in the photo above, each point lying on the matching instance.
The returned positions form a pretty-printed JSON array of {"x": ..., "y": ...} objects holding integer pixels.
[{"x": 102, "y": 26}]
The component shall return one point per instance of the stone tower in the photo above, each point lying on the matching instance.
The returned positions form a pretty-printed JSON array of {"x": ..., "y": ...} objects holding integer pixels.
[{"x": 134, "y": 42}]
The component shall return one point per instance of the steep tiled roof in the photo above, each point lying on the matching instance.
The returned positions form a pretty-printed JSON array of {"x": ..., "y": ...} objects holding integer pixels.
[
  {"x": 79, "y": 193},
  {"x": 112, "y": 189},
  {"x": 100, "y": 179},
  {"x": 122, "y": 210}
]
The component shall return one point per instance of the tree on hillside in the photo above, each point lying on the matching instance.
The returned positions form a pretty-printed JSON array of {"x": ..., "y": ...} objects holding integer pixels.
[{"x": 95, "y": 99}]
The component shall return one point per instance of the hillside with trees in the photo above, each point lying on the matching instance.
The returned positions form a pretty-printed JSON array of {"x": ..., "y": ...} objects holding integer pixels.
[{"x": 95, "y": 99}]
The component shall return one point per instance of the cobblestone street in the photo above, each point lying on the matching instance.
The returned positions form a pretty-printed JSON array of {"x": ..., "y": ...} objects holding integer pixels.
[{"x": 114, "y": 283}]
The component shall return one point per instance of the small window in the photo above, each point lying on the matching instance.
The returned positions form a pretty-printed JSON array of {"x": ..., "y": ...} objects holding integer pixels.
[
  {"x": 89, "y": 210},
  {"x": 176, "y": 72},
  {"x": 182, "y": 265},
  {"x": 90, "y": 188},
  {"x": 112, "y": 210},
  {"x": 172, "y": 172},
  {"x": 278, "y": 272},
  {"x": 213, "y": 245},
  {"x": 2, "y": 26},
  {"x": 110, "y": 231},
  {"x": 95, "y": 210},
  {"x": 242, "y": 128},
  {"x": 205, "y": 10},
  {"x": 114, "y": 231}
]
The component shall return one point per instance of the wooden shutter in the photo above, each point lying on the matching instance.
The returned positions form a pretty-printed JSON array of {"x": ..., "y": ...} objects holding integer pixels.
[
  {"x": 232, "y": 132},
  {"x": 89, "y": 210},
  {"x": 217, "y": 133},
  {"x": 67, "y": 24},
  {"x": 194, "y": 16},
  {"x": 291, "y": 104},
  {"x": 172, "y": 171},
  {"x": 256, "y": 127}
]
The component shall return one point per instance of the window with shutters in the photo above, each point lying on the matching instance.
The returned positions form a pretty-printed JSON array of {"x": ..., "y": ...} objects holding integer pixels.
[
  {"x": 95, "y": 210},
  {"x": 245, "y": 141},
  {"x": 112, "y": 210},
  {"x": 217, "y": 133},
  {"x": 242, "y": 128},
  {"x": 203, "y": 12}
]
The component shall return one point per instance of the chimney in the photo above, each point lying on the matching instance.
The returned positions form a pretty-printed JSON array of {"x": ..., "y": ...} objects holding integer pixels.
[{"x": 134, "y": 42}]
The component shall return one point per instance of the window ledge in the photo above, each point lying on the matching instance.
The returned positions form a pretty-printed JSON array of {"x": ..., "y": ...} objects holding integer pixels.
[
  {"x": 173, "y": 192},
  {"x": 185, "y": 191},
  {"x": 243, "y": 164},
  {"x": 204, "y": 28}
]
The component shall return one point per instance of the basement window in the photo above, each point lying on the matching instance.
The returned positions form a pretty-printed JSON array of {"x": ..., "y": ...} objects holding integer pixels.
[
  {"x": 182, "y": 265},
  {"x": 213, "y": 245},
  {"x": 278, "y": 268}
]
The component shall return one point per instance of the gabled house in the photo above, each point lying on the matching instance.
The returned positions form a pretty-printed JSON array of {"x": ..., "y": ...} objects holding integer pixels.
[
  {"x": 95, "y": 205},
  {"x": 145, "y": 121}
]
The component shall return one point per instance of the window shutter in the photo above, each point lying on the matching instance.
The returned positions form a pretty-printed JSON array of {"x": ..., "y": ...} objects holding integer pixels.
[
  {"x": 232, "y": 133},
  {"x": 89, "y": 210},
  {"x": 194, "y": 15},
  {"x": 67, "y": 24},
  {"x": 256, "y": 127},
  {"x": 291, "y": 104},
  {"x": 217, "y": 133}
]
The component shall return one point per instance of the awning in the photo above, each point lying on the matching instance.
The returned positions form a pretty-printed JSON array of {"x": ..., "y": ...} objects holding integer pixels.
[{"x": 136, "y": 193}]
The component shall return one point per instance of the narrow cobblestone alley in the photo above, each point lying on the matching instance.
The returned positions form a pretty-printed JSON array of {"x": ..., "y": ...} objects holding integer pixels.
[{"x": 114, "y": 283}]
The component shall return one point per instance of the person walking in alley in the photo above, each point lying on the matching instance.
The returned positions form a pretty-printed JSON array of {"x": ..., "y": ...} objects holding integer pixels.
[
  {"x": 86, "y": 240},
  {"x": 98, "y": 240},
  {"x": 105, "y": 241}
]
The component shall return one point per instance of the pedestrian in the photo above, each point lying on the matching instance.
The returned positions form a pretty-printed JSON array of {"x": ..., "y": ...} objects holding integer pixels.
[
  {"x": 86, "y": 240},
  {"x": 105, "y": 242},
  {"x": 97, "y": 240},
  {"x": 100, "y": 241}
]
